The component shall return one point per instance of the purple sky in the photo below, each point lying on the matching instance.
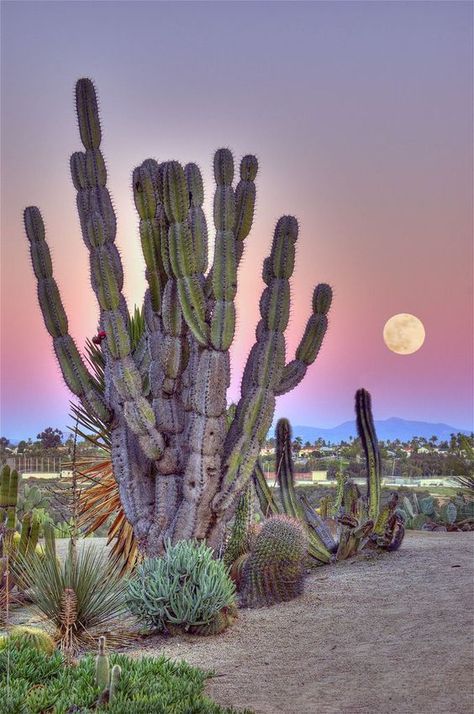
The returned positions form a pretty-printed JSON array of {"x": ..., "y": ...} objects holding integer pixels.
[{"x": 361, "y": 117}]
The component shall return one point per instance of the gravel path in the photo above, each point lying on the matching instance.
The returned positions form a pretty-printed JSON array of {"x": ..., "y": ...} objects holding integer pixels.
[{"x": 384, "y": 634}]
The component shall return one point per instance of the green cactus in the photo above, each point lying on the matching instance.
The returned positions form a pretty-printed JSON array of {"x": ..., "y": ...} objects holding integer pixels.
[
  {"x": 180, "y": 471},
  {"x": 320, "y": 543},
  {"x": 326, "y": 506},
  {"x": 274, "y": 570},
  {"x": 268, "y": 505},
  {"x": 33, "y": 637},
  {"x": 449, "y": 513},
  {"x": 102, "y": 666},
  {"x": 238, "y": 541},
  {"x": 115, "y": 676},
  {"x": 341, "y": 478},
  {"x": 9, "y": 480},
  {"x": 418, "y": 521},
  {"x": 428, "y": 506},
  {"x": 368, "y": 437}
]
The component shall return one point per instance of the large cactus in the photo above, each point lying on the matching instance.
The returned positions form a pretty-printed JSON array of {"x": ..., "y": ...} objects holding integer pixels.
[
  {"x": 368, "y": 437},
  {"x": 179, "y": 470}
]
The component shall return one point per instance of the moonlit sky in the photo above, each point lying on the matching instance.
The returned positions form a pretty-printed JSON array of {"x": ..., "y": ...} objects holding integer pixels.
[{"x": 361, "y": 117}]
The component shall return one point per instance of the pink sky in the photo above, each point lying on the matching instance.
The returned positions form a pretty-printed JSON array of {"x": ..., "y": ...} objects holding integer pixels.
[{"x": 361, "y": 117}]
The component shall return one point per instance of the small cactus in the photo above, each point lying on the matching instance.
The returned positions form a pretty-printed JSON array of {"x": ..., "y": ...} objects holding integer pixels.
[
  {"x": 275, "y": 569},
  {"x": 102, "y": 666},
  {"x": 115, "y": 676}
]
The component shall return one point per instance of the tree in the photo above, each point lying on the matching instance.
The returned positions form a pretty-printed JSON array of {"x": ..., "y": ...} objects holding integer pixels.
[
  {"x": 4, "y": 445},
  {"x": 50, "y": 438},
  {"x": 297, "y": 445},
  {"x": 22, "y": 445}
]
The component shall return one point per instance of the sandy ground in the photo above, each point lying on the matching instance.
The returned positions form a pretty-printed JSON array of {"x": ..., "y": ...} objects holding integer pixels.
[{"x": 389, "y": 633}]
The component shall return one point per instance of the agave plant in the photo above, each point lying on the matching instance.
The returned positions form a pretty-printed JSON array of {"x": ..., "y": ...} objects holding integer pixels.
[{"x": 82, "y": 597}]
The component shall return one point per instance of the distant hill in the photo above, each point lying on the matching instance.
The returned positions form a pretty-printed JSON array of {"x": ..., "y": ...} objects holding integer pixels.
[{"x": 392, "y": 428}]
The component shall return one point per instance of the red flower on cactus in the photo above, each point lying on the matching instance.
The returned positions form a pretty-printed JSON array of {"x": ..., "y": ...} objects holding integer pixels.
[{"x": 97, "y": 339}]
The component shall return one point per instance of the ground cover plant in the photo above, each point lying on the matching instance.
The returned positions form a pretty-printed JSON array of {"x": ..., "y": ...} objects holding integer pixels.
[
  {"x": 179, "y": 469},
  {"x": 33, "y": 682}
]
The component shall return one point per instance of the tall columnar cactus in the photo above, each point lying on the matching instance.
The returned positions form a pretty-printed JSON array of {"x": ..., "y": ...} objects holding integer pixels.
[
  {"x": 275, "y": 568},
  {"x": 179, "y": 470},
  {"x": 320, "y": 541},
  {"x": 368, "y": 437},
  {"x": 102, "y": 666}
]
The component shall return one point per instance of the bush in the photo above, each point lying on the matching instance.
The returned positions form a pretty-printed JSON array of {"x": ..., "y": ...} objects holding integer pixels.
[
  {"x": 187, "y": 588},
  {"x": 32, "y": 683}
]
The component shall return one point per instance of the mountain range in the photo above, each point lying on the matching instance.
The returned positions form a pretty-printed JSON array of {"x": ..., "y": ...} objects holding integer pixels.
[{"x": 393, "y": 428}]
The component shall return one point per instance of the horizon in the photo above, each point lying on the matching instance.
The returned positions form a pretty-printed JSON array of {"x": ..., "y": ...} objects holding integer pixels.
[
  {"x": 363, "y": 130},
  {"x": 456, "y": 429}
]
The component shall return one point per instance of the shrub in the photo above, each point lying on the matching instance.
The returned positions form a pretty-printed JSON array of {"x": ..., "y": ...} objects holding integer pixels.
[{"x": 185, "y": 588}]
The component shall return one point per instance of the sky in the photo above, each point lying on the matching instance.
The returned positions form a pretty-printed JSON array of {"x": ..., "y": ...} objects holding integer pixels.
[{"x": 360, "y": 115}]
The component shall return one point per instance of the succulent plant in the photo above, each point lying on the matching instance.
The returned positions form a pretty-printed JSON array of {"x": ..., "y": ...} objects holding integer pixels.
[
  {"x": 115, "y": 676},
  {"x": 238, "y": 543},
  {"x": 179, "y": 470},
  {"x": 102, "y": 666},
  {"x": 33, "y": 637},
  {"x": 186, "y": 588},
  {"x": 274, "y": 570}
]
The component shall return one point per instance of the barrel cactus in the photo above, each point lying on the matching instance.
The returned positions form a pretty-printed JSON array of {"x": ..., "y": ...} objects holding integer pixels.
[
  {"x": 32, "y": 637},
  {"x": 179, "y": 470},
  {"x": 274, "y": 570}
]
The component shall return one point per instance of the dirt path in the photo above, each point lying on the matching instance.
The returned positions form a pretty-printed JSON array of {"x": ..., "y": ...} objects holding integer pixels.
[{"x": 387, "y": 634}]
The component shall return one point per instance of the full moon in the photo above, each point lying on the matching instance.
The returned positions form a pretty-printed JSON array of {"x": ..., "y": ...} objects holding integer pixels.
[{"x": 404, "y": 334}]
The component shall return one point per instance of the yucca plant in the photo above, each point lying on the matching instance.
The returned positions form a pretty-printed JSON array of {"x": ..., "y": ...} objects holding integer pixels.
[{"x": 82, "y": 597}]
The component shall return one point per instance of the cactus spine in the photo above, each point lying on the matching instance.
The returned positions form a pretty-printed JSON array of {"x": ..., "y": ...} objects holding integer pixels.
[{"x": 180, "y": 471}]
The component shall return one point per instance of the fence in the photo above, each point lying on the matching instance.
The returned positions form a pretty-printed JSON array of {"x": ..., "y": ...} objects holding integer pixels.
[{"x": 51, "y": 465}]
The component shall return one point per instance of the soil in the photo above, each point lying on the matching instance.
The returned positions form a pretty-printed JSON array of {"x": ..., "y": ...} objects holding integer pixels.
[{"x": 384, "y": 633}]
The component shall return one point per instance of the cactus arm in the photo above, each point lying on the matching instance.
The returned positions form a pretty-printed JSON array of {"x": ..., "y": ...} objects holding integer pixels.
[
  {"x": 292, "y": 506},
  {"x": 368, "y": 437},
  {"x": 311, "y": 341},
  {"x": 147, "y": 192},
  {"x": 224, "y": 269},
  {"x": 245, "y": 194},
  {"x": 263, "y": 370},
  {"x": 315, "y": 522},
  {"x": 268, "y": 505},
  {"x": 98, "y": 226},
  {"x": 74, "y": 371},
  {"x": 184, "y": 264}
]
